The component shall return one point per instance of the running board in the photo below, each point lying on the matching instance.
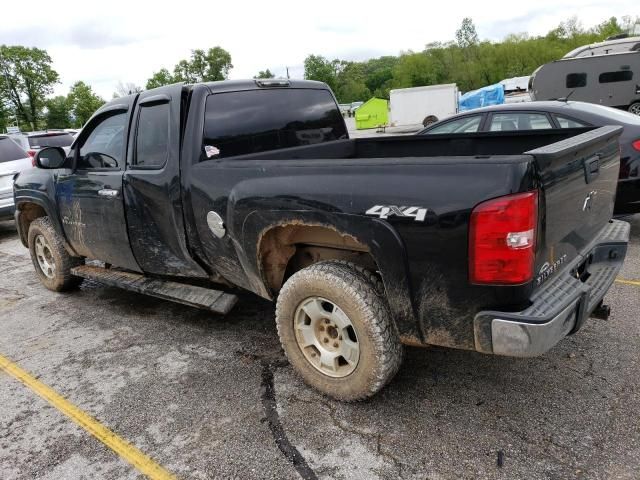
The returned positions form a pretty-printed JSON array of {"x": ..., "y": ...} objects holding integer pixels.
[{"x": 208, "y": 299}]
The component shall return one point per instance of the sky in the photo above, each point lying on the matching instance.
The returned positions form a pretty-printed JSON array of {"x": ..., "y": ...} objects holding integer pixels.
[{"x": 103, "y": 43}]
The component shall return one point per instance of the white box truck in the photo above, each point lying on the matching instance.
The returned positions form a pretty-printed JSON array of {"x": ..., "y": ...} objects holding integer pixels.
[{"x": 422, "y": 106}]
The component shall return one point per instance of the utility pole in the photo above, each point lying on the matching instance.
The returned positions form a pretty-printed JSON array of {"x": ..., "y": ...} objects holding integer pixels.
[{"x": 287, "y": 72}]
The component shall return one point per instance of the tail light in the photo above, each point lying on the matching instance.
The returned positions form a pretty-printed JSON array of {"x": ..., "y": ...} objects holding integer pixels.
[
  {"x": 636, "y": 145},
  {"x": 502, "y": 236},
  {"x": 32, "y": 154}
]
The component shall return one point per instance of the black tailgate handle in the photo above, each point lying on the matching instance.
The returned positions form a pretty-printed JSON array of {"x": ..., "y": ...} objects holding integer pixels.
[{"x": 591, "y": 167}]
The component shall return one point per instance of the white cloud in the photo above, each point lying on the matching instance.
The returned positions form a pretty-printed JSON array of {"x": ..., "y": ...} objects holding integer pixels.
[{"x": 102, "y": 43}]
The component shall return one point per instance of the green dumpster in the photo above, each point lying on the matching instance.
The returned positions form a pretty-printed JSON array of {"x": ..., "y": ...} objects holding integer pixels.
[{"x": 373, "y": 113}]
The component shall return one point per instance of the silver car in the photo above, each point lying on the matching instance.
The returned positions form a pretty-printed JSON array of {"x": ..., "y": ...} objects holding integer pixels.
[{"x": 13, "y": 160}]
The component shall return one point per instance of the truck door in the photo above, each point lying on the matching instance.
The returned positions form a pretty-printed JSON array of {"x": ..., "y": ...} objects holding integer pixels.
[
  {"x": 152, "y": 185},
  {"x": 90, "y": 197}
]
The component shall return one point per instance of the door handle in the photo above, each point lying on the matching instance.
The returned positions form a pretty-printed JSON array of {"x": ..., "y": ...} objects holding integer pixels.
[
  {"x": 591, "y": 168},
  {"x": 108, "y": 192}
]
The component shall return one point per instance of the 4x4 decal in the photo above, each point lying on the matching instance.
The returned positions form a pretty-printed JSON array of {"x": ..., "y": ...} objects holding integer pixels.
[{"x": 386, "y": 211}]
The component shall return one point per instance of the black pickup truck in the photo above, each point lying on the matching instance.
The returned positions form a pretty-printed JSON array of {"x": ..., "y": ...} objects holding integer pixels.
[{"x": 501, "y": 243}]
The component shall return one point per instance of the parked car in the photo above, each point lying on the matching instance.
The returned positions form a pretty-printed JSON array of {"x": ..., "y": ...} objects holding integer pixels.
[
  {"x": 556, "y": 114},
  {"x": 31, "y": 142},
  {"x": 13, "y": 160},
  {"x": 608, "y": 79},
  {"x": 365, "y": 243}
]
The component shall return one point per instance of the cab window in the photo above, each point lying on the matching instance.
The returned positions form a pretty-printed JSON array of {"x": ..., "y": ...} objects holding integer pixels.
[
  {"x": 468, "y": 124},
  {"x": 152, "y": 142},
  {"x": 565, "y": 122},
  {"x": 505, "y": 122},
  {"x": 104, "y": 147},
  {"x": 240, "y": 123}
]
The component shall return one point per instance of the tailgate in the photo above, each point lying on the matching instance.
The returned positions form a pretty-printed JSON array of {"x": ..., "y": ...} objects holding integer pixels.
[{"x": 578, "y": 180}]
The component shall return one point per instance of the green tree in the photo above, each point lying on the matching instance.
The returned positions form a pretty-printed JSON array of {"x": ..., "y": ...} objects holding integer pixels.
[
  {"x": 608, "y": 28},
  {"x": 209, "y": 66},
  {"x": 467, "y": 35},
  {"x": 83, "y": 103},
  {"x": 58, "y": 112},
  {"x": 4, "y": 116},
  {"x": 265, "y": 74},
  {"x": 379, "y": 75},
  {"x": 316, "y": 67},
  {"x": 160, "y": 78},
  {"x": 27, "y": 78},
  {"x": 351, "y": 86}
]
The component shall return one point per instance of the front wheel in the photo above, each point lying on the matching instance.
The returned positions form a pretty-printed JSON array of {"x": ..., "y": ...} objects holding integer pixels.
[
  {"x": 336, "y": 330},
  {"x": 52, "y": 262},
  {"x": 635, "y": 108}
]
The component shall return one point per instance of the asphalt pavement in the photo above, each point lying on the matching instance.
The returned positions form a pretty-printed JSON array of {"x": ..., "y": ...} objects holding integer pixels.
[{"x": 211, "y": 397}]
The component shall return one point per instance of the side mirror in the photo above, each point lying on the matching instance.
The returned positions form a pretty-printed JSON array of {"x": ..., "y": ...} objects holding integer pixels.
[{"x": 50, "y": 157}]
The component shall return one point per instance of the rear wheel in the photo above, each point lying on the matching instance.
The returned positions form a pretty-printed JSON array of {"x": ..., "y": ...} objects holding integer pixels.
[
  {"x": 336, "y": 330},
  {"x": 635, "y": 108},
  {"x": 51, "y": 260},
  {"x": 429, "y": 120}
]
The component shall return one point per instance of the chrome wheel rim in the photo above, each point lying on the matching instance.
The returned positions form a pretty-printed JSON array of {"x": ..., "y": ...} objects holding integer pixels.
[
  {"x": 635, "y": 108},
  {"x": 326, "y": 337},
  {"x": 45, "y": 258}
]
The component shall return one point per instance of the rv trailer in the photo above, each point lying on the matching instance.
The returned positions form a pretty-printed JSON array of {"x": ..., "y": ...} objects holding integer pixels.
[{"x": 611, "y": 79}]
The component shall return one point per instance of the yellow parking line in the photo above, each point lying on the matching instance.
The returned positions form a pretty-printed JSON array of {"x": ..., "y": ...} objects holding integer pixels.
[
  {"x": 127, "y": 451},
  {"x": 628, "y": 282}
]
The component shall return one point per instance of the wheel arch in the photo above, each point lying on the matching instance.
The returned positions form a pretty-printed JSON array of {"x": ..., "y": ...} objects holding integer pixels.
[
  {"x": 284, "y": 242},
  {"x": 29, "y": 209}
]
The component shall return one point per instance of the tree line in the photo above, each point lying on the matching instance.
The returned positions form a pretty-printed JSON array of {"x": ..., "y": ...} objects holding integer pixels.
[
  {"x": 469, "y": 62},
  {"x": 27, "y": 77}
]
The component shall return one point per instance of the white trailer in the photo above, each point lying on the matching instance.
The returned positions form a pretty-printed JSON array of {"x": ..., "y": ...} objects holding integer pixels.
[{"x": 423, "y": 105}]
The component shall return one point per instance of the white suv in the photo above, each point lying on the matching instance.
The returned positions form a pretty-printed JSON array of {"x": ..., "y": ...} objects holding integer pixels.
[{"x": 13, "y": 160}]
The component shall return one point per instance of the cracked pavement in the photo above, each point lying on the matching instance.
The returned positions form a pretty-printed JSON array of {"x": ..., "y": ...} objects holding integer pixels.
[{"x": 212, "y": 397}]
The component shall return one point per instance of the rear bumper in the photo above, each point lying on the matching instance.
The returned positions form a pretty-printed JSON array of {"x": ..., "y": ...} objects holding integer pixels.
[{"x": 561, "y": 306}]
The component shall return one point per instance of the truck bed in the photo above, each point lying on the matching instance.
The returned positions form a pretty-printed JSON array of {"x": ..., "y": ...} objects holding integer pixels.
[{"x": 424, "y": 264}]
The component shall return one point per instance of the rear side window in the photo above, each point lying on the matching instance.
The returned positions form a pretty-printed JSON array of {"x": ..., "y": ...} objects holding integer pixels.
[
  {"x": 238, "y": 123},
  {"x": 576, "y": 80},
  {"x": 63, "y": 140},
  {"x": 569, "y": 122},
  {"x": 462, "y": 125},
  {"x": 619, "y": 76},
  {"x": 152, "y": 139},
  {"x": 10, "y": 151},
  {"x": 504, "y": 122}
]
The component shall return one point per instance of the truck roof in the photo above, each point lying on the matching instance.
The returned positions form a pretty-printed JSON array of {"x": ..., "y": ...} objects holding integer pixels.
[
  {"x": 251, "y": 84},
  {"x": 230, "y": 86}
]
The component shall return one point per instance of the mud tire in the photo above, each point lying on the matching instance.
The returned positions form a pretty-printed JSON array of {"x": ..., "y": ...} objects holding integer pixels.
[
  {"x": 360, "y": 295},
  {"x": 61, "y": 280}
]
